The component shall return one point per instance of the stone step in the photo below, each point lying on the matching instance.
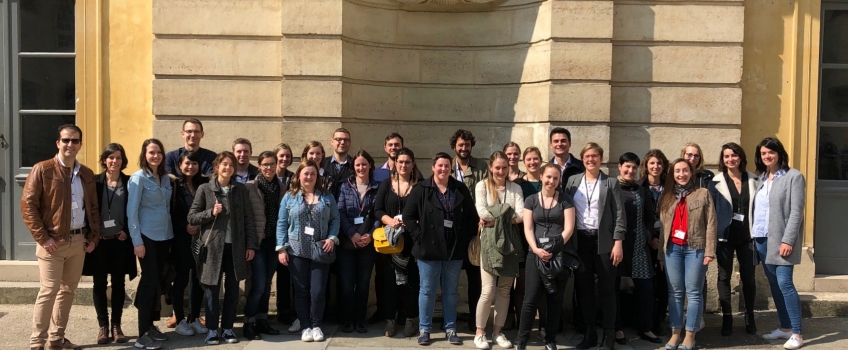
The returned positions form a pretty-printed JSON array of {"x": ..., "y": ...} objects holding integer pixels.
[{"x": 831, "y": 283}]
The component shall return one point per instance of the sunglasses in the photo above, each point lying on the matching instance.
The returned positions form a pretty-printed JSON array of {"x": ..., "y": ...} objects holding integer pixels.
[{"x": 71, "y": 141}]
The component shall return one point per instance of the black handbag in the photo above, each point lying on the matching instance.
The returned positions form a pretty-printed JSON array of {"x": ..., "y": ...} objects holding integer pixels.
[{"x": 320, "y": 256}]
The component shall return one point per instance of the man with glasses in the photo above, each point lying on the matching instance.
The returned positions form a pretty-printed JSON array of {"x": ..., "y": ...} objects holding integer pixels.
[
  {"x": 59, "y": 207},
  {"x": 339, "y": 166},
  {"x": 192, "y": 134}
]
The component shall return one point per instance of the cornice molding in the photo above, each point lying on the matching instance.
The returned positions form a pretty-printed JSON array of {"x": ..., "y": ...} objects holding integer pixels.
[{"x": 444, "y": 2}]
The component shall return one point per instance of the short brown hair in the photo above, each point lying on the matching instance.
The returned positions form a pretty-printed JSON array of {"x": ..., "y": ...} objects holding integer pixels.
[
  {"x": 342, "y": 130},
  {"x": 266, "y": 154},
  {"x": 242, "y": 141},
  {"x": 193, "y": 121},
  {"x": 220, "y": 158}
]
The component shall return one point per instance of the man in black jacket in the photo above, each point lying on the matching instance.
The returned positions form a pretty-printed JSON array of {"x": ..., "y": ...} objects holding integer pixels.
[
  {"x": 338, "y": 166},
  {"x": 561, "y": 145}
]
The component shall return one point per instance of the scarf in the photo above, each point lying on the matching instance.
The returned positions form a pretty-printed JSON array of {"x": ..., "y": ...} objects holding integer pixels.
[
  {"x": 271, "y": 193},
  {"x": 626, "y": 183},
  {"x": 682, "y": 191}
]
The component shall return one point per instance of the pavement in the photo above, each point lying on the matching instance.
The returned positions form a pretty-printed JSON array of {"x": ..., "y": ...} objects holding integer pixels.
[{"x": 16, "y": 320}]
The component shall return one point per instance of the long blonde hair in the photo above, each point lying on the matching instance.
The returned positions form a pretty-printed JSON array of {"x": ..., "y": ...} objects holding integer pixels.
[
  {"x": 700, "y": 168},
  {"x": 490, "y": 178}
]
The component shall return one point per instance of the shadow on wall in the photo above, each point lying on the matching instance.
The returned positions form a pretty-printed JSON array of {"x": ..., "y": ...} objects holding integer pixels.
[{"x": 425, "y": 74}]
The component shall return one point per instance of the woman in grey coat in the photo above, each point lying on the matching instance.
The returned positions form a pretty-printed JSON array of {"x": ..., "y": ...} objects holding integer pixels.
[
  {"x": 223, "y": 211},
  {"x": 777, "y": 228}
]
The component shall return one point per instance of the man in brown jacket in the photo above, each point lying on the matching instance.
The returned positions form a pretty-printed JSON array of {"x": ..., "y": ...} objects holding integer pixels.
[{"x": 59, "y": 206}]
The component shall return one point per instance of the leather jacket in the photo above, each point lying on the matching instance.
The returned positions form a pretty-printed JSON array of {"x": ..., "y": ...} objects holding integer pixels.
[{"x": 46, "y": 202}]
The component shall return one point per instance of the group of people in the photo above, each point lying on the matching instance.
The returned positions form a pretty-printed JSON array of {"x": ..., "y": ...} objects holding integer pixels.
[{"x": 194, "y": 219}]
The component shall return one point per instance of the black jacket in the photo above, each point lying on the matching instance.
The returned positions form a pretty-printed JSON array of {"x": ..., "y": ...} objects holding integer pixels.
[
  {"x": 424, "y": 218},
  {"x": 704, "y": 178},
  {"x": 332, "y": 176},
  {"x": 97, "y": 260},
  {"x": 575, "y": 168}
]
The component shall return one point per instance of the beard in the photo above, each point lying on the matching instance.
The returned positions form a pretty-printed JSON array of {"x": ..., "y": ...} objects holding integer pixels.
[{"x": 463, "y": 155}]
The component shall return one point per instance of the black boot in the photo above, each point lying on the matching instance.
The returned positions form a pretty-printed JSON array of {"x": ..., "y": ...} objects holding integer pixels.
[
  {"x": 609, "y": 340},
  {"x": 249, "y": 330},
  {"x": 727, "y": 325},
  {"x": 589, "y": 340},
  {"x": 520, "y": 346},
  {"x": 750, "y": 324},
  {"x": 263, "y": 327}
]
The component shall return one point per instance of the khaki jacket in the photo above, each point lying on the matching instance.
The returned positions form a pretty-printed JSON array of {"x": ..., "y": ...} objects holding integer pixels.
[
  {"x": 702, "y": 223},
  {"x": 257, "y": 202},
  {"x": 46, "y": 202}
]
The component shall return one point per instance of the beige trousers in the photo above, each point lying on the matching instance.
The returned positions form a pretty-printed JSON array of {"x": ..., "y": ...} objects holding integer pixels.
[
  {"x": 60, "y": 274},
  {"x": 494, "y": 289}
]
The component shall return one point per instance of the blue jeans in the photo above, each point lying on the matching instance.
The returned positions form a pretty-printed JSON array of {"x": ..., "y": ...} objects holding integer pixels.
[
  {"x": 309, "y": 280},
  {"x": 432, "y": 273},
  {"x": 685, "y": 270},
  {"x": 263, "y": 266},
  {"x": 786, "y": 298},
  {"x": 355, "y": 267}
]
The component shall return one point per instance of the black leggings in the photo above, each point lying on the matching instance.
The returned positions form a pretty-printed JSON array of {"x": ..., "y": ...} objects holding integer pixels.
[
  {"x": 152, "y": 275},
  {"x": 398, "y": 302},
  {"x": 186, "y": 276},
  {"x": 601, "y": 265},
  {"x": 534, "y": 291},
  {"x": 745, "y": 255}
]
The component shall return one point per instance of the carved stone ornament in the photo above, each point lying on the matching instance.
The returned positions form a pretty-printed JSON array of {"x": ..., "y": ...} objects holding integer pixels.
[{"x": 444, "y": 2}]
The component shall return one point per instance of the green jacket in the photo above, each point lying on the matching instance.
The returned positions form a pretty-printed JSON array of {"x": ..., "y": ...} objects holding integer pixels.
[
  {"x": 500, "y": 246},
  {"x": 477, "y": 172}
]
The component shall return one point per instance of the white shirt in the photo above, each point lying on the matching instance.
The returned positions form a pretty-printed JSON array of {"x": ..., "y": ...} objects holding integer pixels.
[
  {"x": 586, "y": 204},
  {"x": 77, "y": 205}
]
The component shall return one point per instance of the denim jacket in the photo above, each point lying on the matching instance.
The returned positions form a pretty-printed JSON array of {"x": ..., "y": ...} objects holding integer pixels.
[
  {"x": 149, "y": 207},
  {"x": 289, "y": 228}
]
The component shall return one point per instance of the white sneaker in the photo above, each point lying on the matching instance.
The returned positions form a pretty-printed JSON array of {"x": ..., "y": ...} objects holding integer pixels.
[
  {"x": 317, "y": 334},
  {"x": 295, "y": 327},
  {"x": 793, "y": 343},
  {"x": 198, "y": 327},
  {"x": 503, "y": 341},
  {"x": 480, "y": 341},
  {"x": 777, "y": 334},
  {"x": 306, "y": 335},
  {"x": 183, "y": 328}
]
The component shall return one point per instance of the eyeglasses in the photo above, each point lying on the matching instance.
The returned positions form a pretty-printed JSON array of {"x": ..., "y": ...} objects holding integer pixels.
[
  {"x": 692, "y": 156},
  {"x": 268, "y": 165},
  {"x": 71, "y": 141}
]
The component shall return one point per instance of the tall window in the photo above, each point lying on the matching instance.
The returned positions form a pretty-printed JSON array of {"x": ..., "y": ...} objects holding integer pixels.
[
  {"x": 44, "y": 70},
  {"x": 833, "y": 93}
]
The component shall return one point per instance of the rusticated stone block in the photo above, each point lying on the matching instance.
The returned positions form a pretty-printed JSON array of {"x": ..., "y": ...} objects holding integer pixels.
[
  {"x": 221, "y": 17},
  {"x": 312, "y": 56},
  {"x": 582, "y": 19},
  {"x": 685, "y": 105},
  {"x": 312, "y": 98},
  {"x": 312, "y": 16},
  {"x": 670, "y": 140},
  {"x": 672, "y": 22},
  {"x": 684, "y": 64},
  {"x": 216, "y": 57},
  {"x": 216, "y": 97},
  {"x": 581, "y": 61},
  {"x": 580, "y": 102}
]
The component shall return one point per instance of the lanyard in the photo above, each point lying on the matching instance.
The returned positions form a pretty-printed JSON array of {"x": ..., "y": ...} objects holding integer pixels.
[
  {"x": 592, "y": 191},
  {"x": 109, "y": 197},
  {"x": 547, "y": 213},
  {"x": 308, "y": 207},
  {"x": 446, "y": 205},
  {"x": 361, "y": 201},
  {"x": 402, "y": 198}
]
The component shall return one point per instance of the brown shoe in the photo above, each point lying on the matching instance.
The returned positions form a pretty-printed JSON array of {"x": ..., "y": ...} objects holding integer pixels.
[
  {"x": 118, "y": 334},
  {"x": 103, "y": 336},
  {"x": 65, "y": 344},
  {"x": 172, "y": 322}
]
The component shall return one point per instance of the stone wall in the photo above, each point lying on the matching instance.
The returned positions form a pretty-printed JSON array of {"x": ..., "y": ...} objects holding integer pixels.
[{"x": 630, "y": 75}]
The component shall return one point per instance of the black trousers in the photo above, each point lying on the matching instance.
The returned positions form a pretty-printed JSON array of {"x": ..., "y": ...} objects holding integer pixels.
[
  {"x": 745, "y": 255},
  {"x": 535, "y": 292},
  {"x": 475, "y": 287},
  {"x": 284, "y": 291},
  {"x": 186, "y": 276},
  {"x": 600, "y": 265},
  {"x": 644, "y": 290},
  {"x": 227, "y": 313},
  {"x": 398, "y": 302},
  {"x": 660, "y": 292},
  {"x": 153, "y": 267},
  {"x": 114, "y": 250}
]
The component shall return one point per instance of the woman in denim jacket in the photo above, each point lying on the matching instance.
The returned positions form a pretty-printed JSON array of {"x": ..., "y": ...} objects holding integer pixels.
[{"x": 308, "y": 214}]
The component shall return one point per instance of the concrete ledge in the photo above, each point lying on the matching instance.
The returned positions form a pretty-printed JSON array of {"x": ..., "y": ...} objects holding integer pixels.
[{"x": 26, "y": 292}]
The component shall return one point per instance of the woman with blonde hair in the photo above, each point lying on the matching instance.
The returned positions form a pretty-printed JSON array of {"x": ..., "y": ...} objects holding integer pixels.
[{"x": 695, "y": 156}]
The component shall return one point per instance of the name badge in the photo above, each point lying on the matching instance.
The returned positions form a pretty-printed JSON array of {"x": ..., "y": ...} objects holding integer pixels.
[
  {"x": 399, "y": 217},
  {"x": 679, "y": 234},
  {"x": 589, "y": 221},
  {"x": 544, "y": 240},
  {"x": 359, "y": 220},
  {"x": 738, "y": 217},
  {"x": 74, "y": 205},
  {"x": 309, "y": 231},
  {"x": 109, "y": 223},
  {"x": 448, "y": 223}
]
